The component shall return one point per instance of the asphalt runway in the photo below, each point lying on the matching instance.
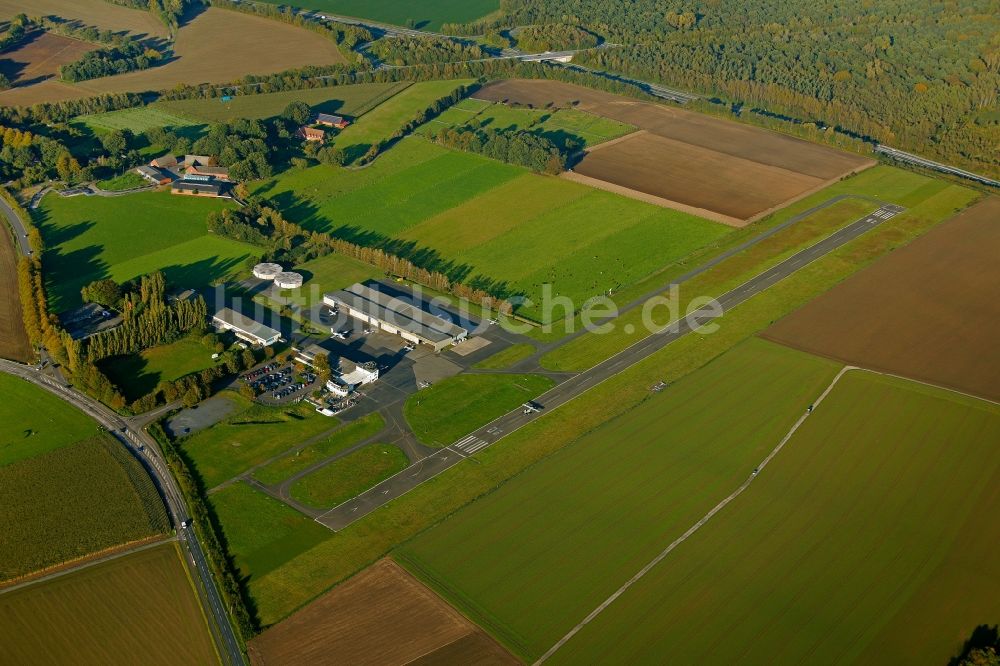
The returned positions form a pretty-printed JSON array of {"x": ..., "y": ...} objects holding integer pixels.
[{"x": 343, "y": 515}]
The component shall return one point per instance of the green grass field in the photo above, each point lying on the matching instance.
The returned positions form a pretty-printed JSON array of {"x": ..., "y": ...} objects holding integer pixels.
[
  {"x": 871, "y": 538},
  {"x": 506, "y": 358},
  {"x": 342, "y": 438},
  {"x": 531, "y": 559},
  {"x": 345, "y": 477},
  {"x": 129, "y": 180},
  {"x": 141, "y": 608},
  {"x": 381, "y": 122},
  {"x": 349, "y": 100},
  {"x": 251, "y": 437},
  {"x": 49, "y": 424},
  {"x": 923, "y": 196},
  {"x": 559, "y": 125},
  {"x": 138, "y": 374},
  {"x": 311, "y": 573},
  {"x": 427, "y": 15},
  {"x": 330, "y": 273},
  {"x": 73, "y": 501},
  {"x": 261, "y": 532},
  {"x": 136, "y": 120},
  {"x": 89, "y": 238},
  {"x": 486, "y": 218},
  {"x": 456, "y": 406}
]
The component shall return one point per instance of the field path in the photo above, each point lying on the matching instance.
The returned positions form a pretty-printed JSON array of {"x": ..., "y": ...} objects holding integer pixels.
[{"x": 698, "y": 525}]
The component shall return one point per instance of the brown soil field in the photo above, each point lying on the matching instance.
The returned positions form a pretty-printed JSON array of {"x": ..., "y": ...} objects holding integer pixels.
[
  {"x": 99, "y": 13},
  {"x": 737, "y": 171},
  {"x": 382, "y": 616},
  {"x": 14, "y": 343},
  {"x": 40, "y": 56},
  {"x": 929, "y": 311},
  {"x": 214, "y": 46}
]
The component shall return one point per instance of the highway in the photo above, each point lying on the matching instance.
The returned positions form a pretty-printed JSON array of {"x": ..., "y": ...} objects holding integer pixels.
[
  {"x": 17, "y": 226},
  {"x": 910, "y": 158},
  {"x": 343, "y": 515}
]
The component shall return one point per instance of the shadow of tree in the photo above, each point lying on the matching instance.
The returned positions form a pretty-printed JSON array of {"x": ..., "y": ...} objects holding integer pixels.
[{"x": 983, "y": 636}]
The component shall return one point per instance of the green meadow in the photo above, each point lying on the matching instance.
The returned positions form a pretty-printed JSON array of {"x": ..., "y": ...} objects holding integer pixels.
[
  {"x": 531, "y": 559},
  {"x": 345, "y": 477},
  {"x": 138, "y": 119},
  {"x": 870, "y": 538},
  {"x": 91, "y": 237},
  {"x": 138, "y": 374},
  {"x": 50, "y": 423},
  {"x": 428, "y": 15},
  {"x": 471, "y": 217}
]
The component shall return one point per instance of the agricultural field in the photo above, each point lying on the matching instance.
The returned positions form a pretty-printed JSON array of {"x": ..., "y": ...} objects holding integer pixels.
[
  {"x": 345, "y": 477},
  {"x": 870, "y": 538},
  {"x": 341, "y": 439},
  {"x": 388, "y": 117},
  {"x": 687, "y": 160},
  {"x": 251, "y": 437},
  {"x": 214, "y": 46},
  {"x": 261, "y": 532},
  {"x": 530, "y": 229},
  {"x": 528, "y": 561},
  {"x": 347, "y": 100},
  {"x": 135, "y": 120},
  {"x": 558, "y": 125},
  {"x": 456, "y": 406},
  {"x": 140, "y": 608},
  {"x": 49, "y": 425},
  {"x": 381, "y": 616},
  {"x": 138, "y": 374},
  {"x": 72, "y": 501},
  {"x": 928, "y": 201},
  {"x": 427, "y": 15},
  {"x": 40, "y": 56},
  {"x": 904, "y": 314},
  {"x": 89, "y": 238},
  {"x": 14, "y": 343},
  {"x": 99, "y": 13}
]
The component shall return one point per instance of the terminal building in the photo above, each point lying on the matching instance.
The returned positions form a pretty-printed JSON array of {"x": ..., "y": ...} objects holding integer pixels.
[
  {"x": 245, "y": 328},
  {"x": 347, "y": 375},
  {"x": 397, "y": 316}
]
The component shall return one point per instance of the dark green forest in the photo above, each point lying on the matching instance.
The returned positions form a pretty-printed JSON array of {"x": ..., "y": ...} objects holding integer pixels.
[{"x": 915, "y": 74}]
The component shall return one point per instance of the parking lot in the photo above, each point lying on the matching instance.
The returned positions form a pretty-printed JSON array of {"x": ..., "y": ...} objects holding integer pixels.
[{"x": 275, "y": 383}]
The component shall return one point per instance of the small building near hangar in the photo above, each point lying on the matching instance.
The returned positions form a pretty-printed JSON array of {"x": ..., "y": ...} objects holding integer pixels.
[
  {"x": 397, "y": 316},
  {"x": 245, "y": 327},
  {"x": 154, "y": 175},
  {"x": 331, "y": 121},
  {"x": 347, "y": 375}
]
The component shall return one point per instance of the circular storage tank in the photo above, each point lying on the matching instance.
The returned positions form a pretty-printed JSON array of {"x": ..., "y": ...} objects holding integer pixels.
[
  {"x": 288, "y": 280},
  {"x": 267, "y": 271}
]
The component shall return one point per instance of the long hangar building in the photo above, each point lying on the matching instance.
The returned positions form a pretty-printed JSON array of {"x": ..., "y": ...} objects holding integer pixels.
[{"x": 396, "y": 316}]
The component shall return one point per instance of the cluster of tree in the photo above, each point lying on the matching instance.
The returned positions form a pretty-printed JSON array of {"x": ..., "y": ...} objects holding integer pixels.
[
  {"x": 148, "y": 318},
  {"x": 424, "y": 50},
  {"x": 910, "y": 74},
  {"x": 346, "y": 37},
  {"x": 514, "y": 146},
  {"x": 241, "y": 145},
  {"x": 168, "y": 11},
  {"x": 555, "y": 37},
  {"x": 48, "y": 113},
  {"x": 126, "y": 57},
  {"x": 260, "y": 223},
  {"x": 77, "y": 30},
  {"x": 31, "y": 158},
  {"x": 17, "y": 29}
]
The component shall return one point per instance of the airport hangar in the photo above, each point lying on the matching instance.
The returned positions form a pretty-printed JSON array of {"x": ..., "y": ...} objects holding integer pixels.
[{"x": 397, "y": 316}]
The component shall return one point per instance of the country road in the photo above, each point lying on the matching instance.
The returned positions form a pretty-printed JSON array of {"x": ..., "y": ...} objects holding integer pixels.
[
  {"x": 343, "y": 515},
  {"x": 146, "y": 449}
]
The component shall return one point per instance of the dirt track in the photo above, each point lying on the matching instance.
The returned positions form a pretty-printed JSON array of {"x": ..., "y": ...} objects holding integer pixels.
[
  {"x": 382, "y": 616},
  {"x": 737, "y": 171},
  {"x": 929, "y": 311},
  {"x": 13, "y": 340}
]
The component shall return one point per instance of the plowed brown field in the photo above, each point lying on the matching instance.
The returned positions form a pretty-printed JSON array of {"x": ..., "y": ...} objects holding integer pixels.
[
  {"x": 929, "y": 311},
  {"x": 733, "y": 170},
  {"x": 40, "y": 57},
  {"x": 13, "y": 340},
  {"x": 382, "y": 616}
]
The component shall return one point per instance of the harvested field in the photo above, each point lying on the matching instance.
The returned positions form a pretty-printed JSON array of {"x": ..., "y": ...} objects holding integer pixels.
[
  {"x": 690, "y": 159},
  {"x": 99, "y": 13},
  {"x": 40, "y": 56},
  {"x": 929, "y": 311},
  {"x": 14, "y": 342},
  {"x": 215, "y": 46},
  {"x": 381, "y": 616}
]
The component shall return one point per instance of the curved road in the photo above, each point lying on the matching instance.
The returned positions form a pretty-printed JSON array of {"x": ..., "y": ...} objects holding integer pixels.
[
  {"x": 145, "y": 448},
  {"x": 343, "y": 515}
]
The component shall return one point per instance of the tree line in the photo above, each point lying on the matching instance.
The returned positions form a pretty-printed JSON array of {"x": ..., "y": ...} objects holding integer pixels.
[
  {"x": 424, "y": 50},
  {"x": 169, "y": 12},
  {"x": 126, "y": 57},
  {"x": 554, "y": 37}
]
